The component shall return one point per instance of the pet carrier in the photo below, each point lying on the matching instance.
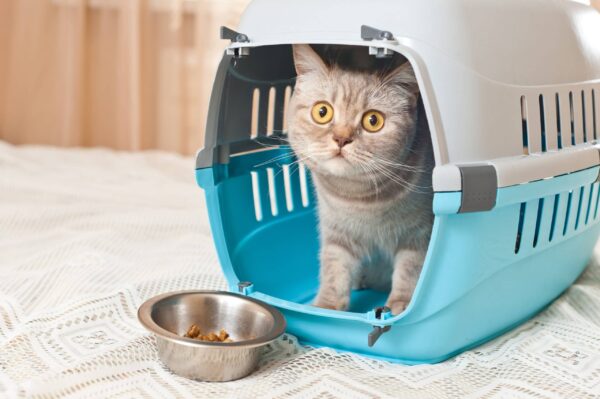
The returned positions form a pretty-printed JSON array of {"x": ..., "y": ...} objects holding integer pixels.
[{"x": 511, "y": 90}]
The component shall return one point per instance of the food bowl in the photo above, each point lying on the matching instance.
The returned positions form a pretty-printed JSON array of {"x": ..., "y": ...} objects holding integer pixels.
[{"x": 250, "y": 323}]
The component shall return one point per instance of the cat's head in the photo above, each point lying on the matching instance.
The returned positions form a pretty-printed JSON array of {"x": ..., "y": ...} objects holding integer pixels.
[{"x": 346, "y": 123}]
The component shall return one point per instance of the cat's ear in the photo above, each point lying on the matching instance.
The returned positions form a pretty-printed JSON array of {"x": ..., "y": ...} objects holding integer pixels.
[
  {"x": 404, "y": 76},
  {"x": 307, "y": 60}
]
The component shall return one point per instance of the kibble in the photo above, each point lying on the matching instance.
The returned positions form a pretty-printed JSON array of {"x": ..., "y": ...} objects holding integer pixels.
[{"x": 195, "y": 333}]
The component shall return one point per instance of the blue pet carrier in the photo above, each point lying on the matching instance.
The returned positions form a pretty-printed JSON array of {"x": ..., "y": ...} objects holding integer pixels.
[{"x": 511, "y": 90}]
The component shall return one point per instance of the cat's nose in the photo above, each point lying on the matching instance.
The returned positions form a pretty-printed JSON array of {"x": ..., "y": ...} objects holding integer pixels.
[
  {"x": 343, "y": 135},
  {"x": 342, "y": 141}
]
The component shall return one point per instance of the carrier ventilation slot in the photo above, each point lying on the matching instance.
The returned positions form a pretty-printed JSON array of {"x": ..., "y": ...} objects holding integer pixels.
[
  {"x": 525, "y": 125},
  {"x": 272, "y": 191},
  {"x": 589, "y": 204},
  {"x": 597, "y": 201},
  {"x": 286, "y": 102},
  {"x": 579, "y": 203},
  {"x": 287, "y": 185},
  {"x": 538, "y": 221},
  {"x": 594, "y": 115},
  {"x": 255, "y": 113},
  {"x": 303, "y": 185},
  {"x": 543, "y": 123},
  {"x": 583, "y": 117},
  {"x": 558, "y": 122},
  {"x": 567, "y": 213},
  {"x": 572, "y": 113},
  {"x": 271, "y": 111},
  {"x": 520, "y": 229},
  {"x": 554, "y": 213},
  {"x": 256, "y": 196}
]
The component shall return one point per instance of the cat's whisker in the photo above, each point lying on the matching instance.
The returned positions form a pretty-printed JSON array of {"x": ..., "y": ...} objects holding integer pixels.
[
  {"x": 391, "y": 163},
  {"x": 275, "y": 159},
  {"x": 395, "y": 178}
]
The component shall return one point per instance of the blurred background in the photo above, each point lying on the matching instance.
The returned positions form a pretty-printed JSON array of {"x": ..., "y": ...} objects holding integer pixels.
[{"x": 124, "y": 74}]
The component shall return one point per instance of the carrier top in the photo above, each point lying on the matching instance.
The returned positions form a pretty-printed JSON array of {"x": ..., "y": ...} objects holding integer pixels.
[{"x": 520, "y": 42}]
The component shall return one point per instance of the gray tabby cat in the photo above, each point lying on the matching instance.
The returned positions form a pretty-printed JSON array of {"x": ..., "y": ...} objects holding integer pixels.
[{"x": 371, "y": 160}]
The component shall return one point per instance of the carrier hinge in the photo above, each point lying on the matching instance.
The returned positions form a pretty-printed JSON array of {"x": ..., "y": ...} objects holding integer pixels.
[
  {"x": 380, "y": 313},
  {"x": 235, "y": 37},
  {"x": 479, "y": 187},
  {"x": 369, "y": 33}
]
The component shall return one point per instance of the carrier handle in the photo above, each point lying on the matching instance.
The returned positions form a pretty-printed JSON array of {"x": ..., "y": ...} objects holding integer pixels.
[{"x": 479, "y": 182}]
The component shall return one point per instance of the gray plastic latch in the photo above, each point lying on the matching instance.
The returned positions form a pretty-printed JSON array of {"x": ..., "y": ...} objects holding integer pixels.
[
  {"x": 245, "y": 287},
  {"x": 235, "y": 37},
  {"x": 369, "y": 33},
  {"x": 479, "y": 187},
  {"x": 378, "y": 330}
]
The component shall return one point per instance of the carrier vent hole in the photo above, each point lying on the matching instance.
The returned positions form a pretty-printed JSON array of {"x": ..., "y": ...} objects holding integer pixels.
[
  {"x": 572, "y": 114},
  {"x": 543, "y": 122},
  {"x": 286, "y": 103},
  {"x": 287, "y": 186},
  {"x": 538, "y": 221},
  {"x": 271, "y": 111},
  {"x": 579, "y": 203},
  {"x": 520, "y": 228},
  {"x": 255, "y": 113},
  {"x": 525, "y": 125},
  {"x": 594, "y": 115},
  {"x": 583, "y": 117},
  {"x": 597, "y": 201},
  {"x": 554, "y": 213},
  {"x": 569, "y": 200},
  {"x": 272, "y": 191},
  {"x": 589, "y": 204},
  {"x": 303, "y": 185},
  {"x": 256, "y": 196},
  {"x": 558, "y": 122}
]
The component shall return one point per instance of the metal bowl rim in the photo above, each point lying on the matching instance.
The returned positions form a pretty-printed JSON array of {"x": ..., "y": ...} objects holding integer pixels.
[{"x": 145, "y": 311}]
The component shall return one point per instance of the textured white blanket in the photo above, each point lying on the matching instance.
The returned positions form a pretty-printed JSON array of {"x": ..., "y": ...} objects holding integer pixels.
[{"x": 87, "y": 235}]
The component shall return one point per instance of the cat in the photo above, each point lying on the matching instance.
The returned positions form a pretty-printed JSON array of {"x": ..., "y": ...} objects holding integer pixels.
[{"x": 365, "y": 139}]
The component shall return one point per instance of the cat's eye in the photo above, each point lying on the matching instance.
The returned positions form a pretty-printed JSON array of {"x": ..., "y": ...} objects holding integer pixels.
[
  {"x": 322, "y": 112},
  {"x": 373, "y": 121}
]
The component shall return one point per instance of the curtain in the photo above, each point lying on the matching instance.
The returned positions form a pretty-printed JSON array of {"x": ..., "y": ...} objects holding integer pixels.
[{"x": 126, "y": 74}]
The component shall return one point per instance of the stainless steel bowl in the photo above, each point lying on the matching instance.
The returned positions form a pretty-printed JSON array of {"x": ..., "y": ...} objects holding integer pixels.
[{"x": 250, "y": 323}]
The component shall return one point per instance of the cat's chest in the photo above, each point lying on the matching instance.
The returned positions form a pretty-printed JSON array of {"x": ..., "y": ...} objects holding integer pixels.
[{"x": 372, "y": 224}]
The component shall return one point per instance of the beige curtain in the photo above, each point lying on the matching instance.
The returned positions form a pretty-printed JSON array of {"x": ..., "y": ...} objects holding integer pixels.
[{"x": 126, "y": 74}]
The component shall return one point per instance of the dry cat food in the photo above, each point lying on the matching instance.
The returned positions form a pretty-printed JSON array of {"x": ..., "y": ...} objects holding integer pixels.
[{"x": 195, "y": 333}]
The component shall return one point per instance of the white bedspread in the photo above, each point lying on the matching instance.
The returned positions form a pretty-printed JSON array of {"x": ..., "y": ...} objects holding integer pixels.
[{"x": 87, "y": 235}]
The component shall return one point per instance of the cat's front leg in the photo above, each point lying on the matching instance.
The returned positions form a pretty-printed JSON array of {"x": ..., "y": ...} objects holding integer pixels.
[
  {"x": 339, "y": 268},
  {"x": 407, "y": 268}
]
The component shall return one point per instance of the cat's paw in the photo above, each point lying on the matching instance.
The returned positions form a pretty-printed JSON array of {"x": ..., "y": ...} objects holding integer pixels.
[
  {"x": 339, "y": 305},
  {"x": 397, "y": 306}
]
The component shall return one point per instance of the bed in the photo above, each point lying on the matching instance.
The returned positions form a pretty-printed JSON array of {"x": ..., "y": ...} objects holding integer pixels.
[{"x": 86, "y": 235}]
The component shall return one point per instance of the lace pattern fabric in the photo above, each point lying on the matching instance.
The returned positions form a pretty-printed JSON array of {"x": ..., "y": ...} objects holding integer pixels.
[{"x": 87, "y": 235}]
